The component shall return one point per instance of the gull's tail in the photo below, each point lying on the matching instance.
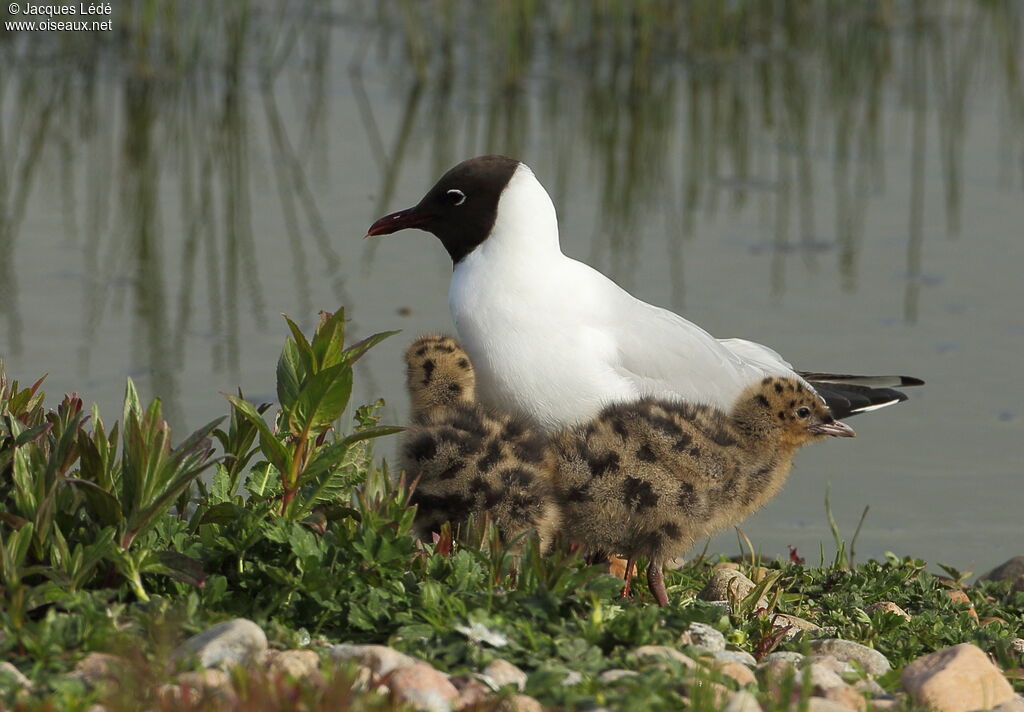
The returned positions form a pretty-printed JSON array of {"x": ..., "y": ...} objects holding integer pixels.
[{"x": 848, "y": 395}]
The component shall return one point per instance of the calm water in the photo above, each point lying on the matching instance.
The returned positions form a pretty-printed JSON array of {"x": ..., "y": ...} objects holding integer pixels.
[{"x": 845, "y": 185}]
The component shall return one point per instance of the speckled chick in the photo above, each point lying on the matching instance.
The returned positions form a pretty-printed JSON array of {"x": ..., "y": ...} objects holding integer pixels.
[
  {"x": 467, "y": 459},
  {"x": 650, "y": 478}
]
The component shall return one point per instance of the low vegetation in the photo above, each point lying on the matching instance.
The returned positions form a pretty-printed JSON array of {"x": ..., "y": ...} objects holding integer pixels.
[{"x": 114, "y": 539}]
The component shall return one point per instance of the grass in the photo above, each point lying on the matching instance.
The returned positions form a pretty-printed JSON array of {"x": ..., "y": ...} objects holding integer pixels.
[{"x": 112, "y": 542}]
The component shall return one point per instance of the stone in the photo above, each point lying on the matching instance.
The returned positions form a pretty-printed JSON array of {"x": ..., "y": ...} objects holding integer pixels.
[
  {"x": 616, "y": 674},
  {"x": 664, "y": 652},
  {"x": 1009, "y": 570},
  {"x": 716, "y": 692},
  {"x": 702, "y": 635},
  {"x": 98, "y": 668},
  {"x": 520, "y": 703},
  {"x": 472, "y": 691},
  {"x": 884, "y": 704},
  {"x": 423, "y": 687},
  {"x": 572, "y": 677},
  {"x": 823, "y": 677},
  {"x": 379, "y": 658},
  {"x": 505, "y": 673},
  {"x": 888, "y": 607},
  {"x": 742, "y": 701},
  {"x": 209, "y": 684},
  {"x": 872, "y": 661},
  {"x": 958, "y": 596},
  {"x": 956, "y": 679},
  {"x": 11, "y": 678},
  {"x": 797, "y": 626},
  {"x": 1018, "y": 584},
  {"x": 234, "y": 642},
  {"x": 726, "y": 566},
  {"x": 820, "y": 704},
  {"x": 298, "y": 664},
  {"x": 1017, "y": 646},
  {"x": 1016, "y": 704},
  {"x": 869, "y": 687},
  {"x": 787, "y": 656},
  {"x": 726, "y": 584},
  {"x": 735, "y": 656},
  {"x": 774, "y": 674},
  {"x": 839, "y": 667},
  {"x": 845, "y": 696},
  {"x": 737, "y": 671}
]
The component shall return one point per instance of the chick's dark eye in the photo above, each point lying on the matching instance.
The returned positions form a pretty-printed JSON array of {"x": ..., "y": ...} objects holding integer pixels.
[
  {"x": 803, "y": 412},
  {"x": 456, "y": 196}
]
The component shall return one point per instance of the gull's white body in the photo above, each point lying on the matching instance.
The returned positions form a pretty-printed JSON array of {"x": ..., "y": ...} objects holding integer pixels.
[{"x": 555, "y": 340}]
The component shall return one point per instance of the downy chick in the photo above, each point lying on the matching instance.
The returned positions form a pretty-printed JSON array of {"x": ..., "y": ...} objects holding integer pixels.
[
  {"x": 650, "y": 478},
  {"x": 469, "y": 459}
]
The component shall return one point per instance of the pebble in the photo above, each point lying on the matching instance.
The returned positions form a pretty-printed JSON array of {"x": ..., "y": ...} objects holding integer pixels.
[
  {"x": 616, "y": 674},
  {"x": 702, "y": 635},
  {"x": 234, "y": 642},
  {"x": 298, "y": 664},
  {"x": 888, "y": 607},
  {"x": 820, "y": 704},
  {"x": 1017, "y": 646},
  {"x": 739, "y": 672},
  {"x": 379, "y": 658},
  {"x": 726, "y": 584},
  {"x": 96, "y": 668},
  {"x": 786, "y": 656},
  {"x": 423, "y": 687},
  {"x": 1009, "y": 570},
  {"x": 573, "y": 677},
  {"x": 956, "y": 679},
  {"x": 845, "y": 696},
  {"x": 872, "y": 661},
  {"x": 822, "y": 677},
  {"x": 472, "y": 690},
  {"x": 664, "y": 652},
  {"x": 1014, "y": 705},
  {"x": 736, "y": 656},
  {"x": 505, "y": 673},
  {"x": 520, "y": 703},
  {"x": 840, "y": 667},
  {"x": 12, "y": 678},
  {"x": 960, "y": 597},
  {"x": 797, "y": 626},
  {"x": 742, "y": 701}
]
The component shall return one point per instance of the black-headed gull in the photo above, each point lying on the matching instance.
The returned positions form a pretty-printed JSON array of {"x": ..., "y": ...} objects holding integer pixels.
[{"x": 554, "y": 339}]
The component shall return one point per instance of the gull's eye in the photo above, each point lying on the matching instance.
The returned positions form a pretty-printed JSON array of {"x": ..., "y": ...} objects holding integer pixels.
[
  {"x": 456, "y": 196},
  {"x": 803, "y": 412}
]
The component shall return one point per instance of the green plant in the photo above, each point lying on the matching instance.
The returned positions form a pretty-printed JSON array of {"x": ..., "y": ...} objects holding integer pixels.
[{"x": 314, "y": 382}]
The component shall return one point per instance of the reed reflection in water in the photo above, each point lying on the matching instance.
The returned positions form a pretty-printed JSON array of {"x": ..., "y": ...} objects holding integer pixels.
[{"x": 167, "y": 189}]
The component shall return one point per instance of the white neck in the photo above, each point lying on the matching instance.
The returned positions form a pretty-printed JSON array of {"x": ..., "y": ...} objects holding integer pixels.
[{"x": 526, "y": 226}]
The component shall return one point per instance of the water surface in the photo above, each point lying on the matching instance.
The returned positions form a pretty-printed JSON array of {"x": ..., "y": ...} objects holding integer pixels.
[{"x": 843, "y": 184}]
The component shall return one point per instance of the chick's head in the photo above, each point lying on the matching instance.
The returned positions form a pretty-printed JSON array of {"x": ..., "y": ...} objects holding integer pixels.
[
  {"x": 786, "y": 413},
  {"x": 438, "y": 374}
]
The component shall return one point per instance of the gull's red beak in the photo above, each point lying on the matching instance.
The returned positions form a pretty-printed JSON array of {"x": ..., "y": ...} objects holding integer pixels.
[
  {"x": 836, "y": 429},
  {"x": 410, "y": 217}
]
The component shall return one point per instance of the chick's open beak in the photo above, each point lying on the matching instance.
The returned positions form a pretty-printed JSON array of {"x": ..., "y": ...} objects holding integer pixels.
[
  {"x": 836, "y": 429},
  {"x": 410, "y": 217}
]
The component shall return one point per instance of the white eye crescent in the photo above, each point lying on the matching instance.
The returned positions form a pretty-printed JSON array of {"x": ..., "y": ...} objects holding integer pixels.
[{"x": 458, "y": 197}]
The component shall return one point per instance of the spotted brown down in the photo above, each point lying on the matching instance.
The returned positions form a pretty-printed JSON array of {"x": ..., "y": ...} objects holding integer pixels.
[
  {"x": 466, "y": 459},
  {"x": 650, "y": 478}
]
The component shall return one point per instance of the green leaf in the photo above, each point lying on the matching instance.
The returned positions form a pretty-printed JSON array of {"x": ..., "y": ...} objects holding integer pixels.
[
  {"x": 305, "y": 351},
  {"x": 272, "y": 448},
  {"x": 32, "y": 434},
  {"x": 178, "y": 566},
  {"x": 222, "y": 513},
  {"x": 289, "y": 375},
  {"x": 323, "y": 399},
  {"x": 329, "y": 339},
  {"x": 356, "y": 351},
  {"x": 103, "y": 505}
]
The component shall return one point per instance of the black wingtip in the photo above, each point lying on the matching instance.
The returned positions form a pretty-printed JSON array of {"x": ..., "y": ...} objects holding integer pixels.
[{"x": 846, "y": 400}]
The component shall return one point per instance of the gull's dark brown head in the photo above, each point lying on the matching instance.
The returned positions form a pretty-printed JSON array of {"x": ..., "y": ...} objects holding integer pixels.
[{"x": 461, "y": 207}]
